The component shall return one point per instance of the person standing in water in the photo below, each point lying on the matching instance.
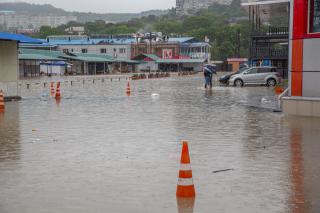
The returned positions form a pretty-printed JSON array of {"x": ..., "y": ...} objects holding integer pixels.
[
  {"x": 209, "y": 70},
  {"x": 207, "y": 76}
]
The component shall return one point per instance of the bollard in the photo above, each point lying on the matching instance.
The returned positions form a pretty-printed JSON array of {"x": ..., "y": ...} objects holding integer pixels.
[
  {"x": 44, "y": 85},
  {"x": 93, "y": 81},
  {"x": 111, "y": 79},
  {"x": 83, "y": 81},
  {"x": 28, "y": 86},
  {"x": 185, "y": 186},
  {"x": 119, "y": 79},
  {"x": 102, "y": 80},
  {"x": 71, "y": 82}
]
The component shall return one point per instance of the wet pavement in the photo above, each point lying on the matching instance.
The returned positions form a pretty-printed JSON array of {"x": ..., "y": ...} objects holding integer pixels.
[{"x": 101, "y": 151}]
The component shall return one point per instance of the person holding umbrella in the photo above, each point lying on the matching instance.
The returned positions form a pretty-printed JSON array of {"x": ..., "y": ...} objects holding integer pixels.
[{"x": 209, "y": 70}]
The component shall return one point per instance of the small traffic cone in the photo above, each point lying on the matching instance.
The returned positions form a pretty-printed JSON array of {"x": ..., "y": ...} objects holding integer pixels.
[
  {"x": 278, "y": 90},
  {"x": 52, "y": 89},
  {"x": 185, "y": 187},
  {"x": 2, "y": 107},
  {"x": 58, "y": 93},
  {"x": 128, "y": 89}
]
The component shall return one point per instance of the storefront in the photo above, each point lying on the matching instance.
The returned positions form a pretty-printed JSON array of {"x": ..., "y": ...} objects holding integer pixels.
[{"x": 304, "y": 63}]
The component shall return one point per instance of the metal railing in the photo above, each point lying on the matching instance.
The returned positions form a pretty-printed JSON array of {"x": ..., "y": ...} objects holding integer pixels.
[
  {"x": 271, "y": 31},
  {"x": 266, "y": 52}
]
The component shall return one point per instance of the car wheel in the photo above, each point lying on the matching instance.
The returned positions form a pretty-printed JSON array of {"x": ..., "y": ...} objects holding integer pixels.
[
  {"x": 238, "y": 83},
  {"x": 271, "y": 82}
]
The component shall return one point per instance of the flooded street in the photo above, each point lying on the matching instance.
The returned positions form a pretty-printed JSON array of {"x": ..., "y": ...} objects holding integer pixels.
[{"x": 101, "y": 151}]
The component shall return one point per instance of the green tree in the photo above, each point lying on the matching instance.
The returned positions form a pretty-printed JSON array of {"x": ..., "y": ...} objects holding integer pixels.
[{"x": 46, "y": 31}]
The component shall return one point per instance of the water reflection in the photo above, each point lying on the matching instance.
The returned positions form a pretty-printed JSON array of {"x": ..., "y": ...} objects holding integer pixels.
[
  {"x": 298, "y": 197},
  {"x": 10, "y": 133},
  {"x": 305, "y": 169},
  {"x": 185, "y": 205}
]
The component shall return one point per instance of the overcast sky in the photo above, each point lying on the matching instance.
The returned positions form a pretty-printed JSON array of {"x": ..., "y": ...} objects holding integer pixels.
[{"x": 106, "y": 6}]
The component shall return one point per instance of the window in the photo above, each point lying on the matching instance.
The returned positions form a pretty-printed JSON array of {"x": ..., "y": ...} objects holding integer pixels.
[
  {"x": 252, "y": 71},
  {"x": 122, "y": 50},
  {"x": 84, "y": 50},
  {"x": 314, "y": 16},
  {"x": 263, "y": 70},
  {"x": 65, "y": 51},
  {"x": 103, "y": 51}
]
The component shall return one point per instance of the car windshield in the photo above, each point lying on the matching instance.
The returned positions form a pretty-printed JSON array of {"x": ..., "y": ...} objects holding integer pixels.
[{"x": 242, "y": 70}]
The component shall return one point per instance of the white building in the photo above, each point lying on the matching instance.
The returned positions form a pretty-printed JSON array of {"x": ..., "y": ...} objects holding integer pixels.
[
  {"x": 118, "y": 48},
  {"x": 13, "y": 20}
]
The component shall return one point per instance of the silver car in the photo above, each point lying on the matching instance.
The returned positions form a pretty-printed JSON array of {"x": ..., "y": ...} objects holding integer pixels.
[{"x": 256, "y": 75}]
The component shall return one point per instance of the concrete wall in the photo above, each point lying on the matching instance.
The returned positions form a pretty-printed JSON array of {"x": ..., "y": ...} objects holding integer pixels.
[
  {"x": 301, "y": 106},
  {"x": 9, "y": 70}
]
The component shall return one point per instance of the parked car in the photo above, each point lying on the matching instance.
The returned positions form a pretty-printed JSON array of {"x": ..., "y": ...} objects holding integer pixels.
[
  {"x": 256, "y": 75},
  {"x": 225, "y": 79}
]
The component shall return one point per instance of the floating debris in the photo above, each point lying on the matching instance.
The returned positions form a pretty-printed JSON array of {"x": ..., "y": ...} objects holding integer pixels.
[{"x": 223, "y": 170}]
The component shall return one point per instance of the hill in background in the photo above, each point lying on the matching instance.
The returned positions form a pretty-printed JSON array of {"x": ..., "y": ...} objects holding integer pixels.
[{"x": 47, "y": 9}]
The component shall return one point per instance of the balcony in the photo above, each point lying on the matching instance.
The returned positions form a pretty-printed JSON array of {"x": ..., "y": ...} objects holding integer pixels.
[
  {"x": 272, "y": 32},
  {"x": 270, "y": 53}
]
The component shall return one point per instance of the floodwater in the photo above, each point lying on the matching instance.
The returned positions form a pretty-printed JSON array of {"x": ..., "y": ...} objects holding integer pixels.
[{"x": 101, "y": 151}]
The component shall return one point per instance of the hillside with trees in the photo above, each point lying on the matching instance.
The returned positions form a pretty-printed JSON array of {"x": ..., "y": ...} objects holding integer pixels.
[
  {"x": 47, "y": 9},
  {"x": 228, "y": 38}
]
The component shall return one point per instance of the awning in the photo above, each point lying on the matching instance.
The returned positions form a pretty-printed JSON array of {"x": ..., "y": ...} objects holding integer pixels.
[
  {"x": 178, "y": 61},
  {"x": 89, "y": 59},
  {"x": 38, "y": 57}
]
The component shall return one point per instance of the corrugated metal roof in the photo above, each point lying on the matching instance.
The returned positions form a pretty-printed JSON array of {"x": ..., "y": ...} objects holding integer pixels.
[
  {"x": 88, "y": 59},
  {"x": 90, "y": 41},
  {"x": 181, "y": 39},
  {"x": 19, "y": 38},
  {"x": 33, "y": 54},
  {"x": 152, "y": 56},
  {"x": 263, "y": 2},
  {"x": 30, "y": 45},
  {"x": 123, "y": 60},
  {"x": 177, "y": 61},
  {"x": 38, "y": 57},
  {"x": 196, "y": 44},
  {"x": 42, "y": 52}
]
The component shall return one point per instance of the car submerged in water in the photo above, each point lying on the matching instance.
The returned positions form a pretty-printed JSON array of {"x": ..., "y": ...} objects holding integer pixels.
[
  {"x": 256, "y": 75},
  {"x": 224, "y": 80}
]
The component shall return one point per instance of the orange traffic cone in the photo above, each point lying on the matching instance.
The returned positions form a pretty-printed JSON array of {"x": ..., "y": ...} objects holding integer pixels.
[
  {"x": 128, "y": 89},
  {"x": 2, "y": 107},
  {"x": 52, "y": 89},
  {"x": 278, "y": 90},
  {"x": 185, "y": 187},
  {"x": 58, "y": 93}
]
